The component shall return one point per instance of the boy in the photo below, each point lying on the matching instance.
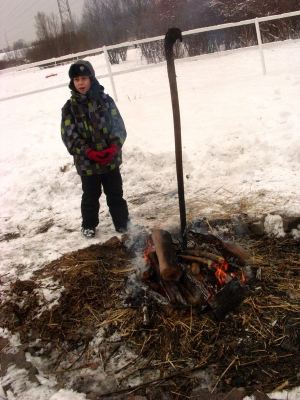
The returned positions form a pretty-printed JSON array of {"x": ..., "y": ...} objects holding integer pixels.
[{"x": 93, "y": 131}]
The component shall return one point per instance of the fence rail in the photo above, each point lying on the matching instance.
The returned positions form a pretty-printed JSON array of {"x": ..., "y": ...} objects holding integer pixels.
[{"x": 105, "y": 49}]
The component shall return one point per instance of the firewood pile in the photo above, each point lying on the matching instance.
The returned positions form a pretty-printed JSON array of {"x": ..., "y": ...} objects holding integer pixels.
[
  {"x": 198, "y": 277},
  {"x": 179, "y": 321}
]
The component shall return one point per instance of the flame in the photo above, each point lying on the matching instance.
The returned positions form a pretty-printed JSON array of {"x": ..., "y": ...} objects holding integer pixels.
[
  {"x": 240, "y": 274},
  {"x": 221, "y": 273},
  {"x": 224, "y": 277},
  {"x": 149, "y": 248},
  {"x": 242, "y": 278}
]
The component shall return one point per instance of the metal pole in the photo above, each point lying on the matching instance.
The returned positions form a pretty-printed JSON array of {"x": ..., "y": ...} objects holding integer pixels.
[
  {"x": 110, "y": 73},
  {"x": 171, "y": 36},
  {"x": 260, "y": 46}
]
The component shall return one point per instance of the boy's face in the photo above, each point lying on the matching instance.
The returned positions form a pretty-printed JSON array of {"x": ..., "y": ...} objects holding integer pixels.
[{"x": 82, "y": 84}]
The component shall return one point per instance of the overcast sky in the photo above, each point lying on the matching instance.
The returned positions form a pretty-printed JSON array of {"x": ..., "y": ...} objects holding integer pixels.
[{"x": 17, "y": 17}]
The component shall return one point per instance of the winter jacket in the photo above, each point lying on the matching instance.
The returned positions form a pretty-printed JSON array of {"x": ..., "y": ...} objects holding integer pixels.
[{"x": 92, "y": 121}]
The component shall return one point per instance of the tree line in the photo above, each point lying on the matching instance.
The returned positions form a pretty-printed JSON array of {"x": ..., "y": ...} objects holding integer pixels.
[{"x": 108, "y": 22}]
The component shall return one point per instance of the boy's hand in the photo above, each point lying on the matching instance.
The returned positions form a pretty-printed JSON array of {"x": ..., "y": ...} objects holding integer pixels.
[
  {"x": 110, "y": 152},
  {"x": 102, "y": 157},
  {"x": 95, "y": 155}
]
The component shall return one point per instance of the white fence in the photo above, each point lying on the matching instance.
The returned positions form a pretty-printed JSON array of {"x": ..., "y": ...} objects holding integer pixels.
[{"x": 105, "y": 49}]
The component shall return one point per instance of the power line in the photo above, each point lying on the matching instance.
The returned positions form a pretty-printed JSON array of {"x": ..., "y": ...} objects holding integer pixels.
[
  {"x": 41, "y": 9},
  {"x": 21, "y": 34},
  {"x": 12, "y": 12},
  {"x": 19, "y": 22},
  {"x": 26, "y": 11},
  {"x": 15, "y": 33}
]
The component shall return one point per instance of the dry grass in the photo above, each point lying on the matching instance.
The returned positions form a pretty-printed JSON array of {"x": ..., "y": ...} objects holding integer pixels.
[{"x": 256, "y": 346}]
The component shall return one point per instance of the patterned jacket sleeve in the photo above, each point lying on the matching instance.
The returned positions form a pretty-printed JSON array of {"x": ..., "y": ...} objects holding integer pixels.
[
  {"x": 74, "y": 143},
  {"x": 118, "y": 131}
]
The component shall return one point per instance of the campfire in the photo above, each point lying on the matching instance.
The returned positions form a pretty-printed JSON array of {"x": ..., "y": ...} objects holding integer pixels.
[
  {"x": 208, "y": 275},
  {"x": 203, "y": 305}
]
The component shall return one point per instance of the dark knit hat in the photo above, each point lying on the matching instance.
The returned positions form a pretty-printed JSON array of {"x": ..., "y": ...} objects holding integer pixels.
[{"x": 81, "y": 68}]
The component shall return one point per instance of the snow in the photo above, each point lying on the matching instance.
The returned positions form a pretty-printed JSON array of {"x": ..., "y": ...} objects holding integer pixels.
[{"x": 241, "y": 154}]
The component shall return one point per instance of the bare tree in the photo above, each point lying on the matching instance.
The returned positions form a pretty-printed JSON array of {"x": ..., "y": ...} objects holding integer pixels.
[
  {"x": 237, "y": 10},
  {"x": 41, "y": 25},
  {"x": 104, "y": 23},
  {"x": 20, "y": 44},
  {"x": 107, "y": 22}
]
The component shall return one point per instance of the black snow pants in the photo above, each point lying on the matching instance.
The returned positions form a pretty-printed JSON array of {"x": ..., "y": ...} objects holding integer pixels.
[{"x": 112, "y": 185}]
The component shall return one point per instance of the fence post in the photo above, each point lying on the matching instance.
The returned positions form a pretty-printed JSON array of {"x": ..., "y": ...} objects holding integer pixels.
[
  {"x": 260, "y": 46},
  {"x": 110, "y": 73}
]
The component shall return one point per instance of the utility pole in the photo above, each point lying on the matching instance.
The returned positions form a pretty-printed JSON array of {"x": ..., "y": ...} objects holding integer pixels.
[
  {"x": 9, "y": 53},
  {"x": 6, "y": 40},
  {"x": 66, "y": 19}
]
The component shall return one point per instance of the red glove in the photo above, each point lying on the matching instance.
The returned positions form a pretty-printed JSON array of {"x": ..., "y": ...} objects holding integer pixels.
[
  {"x": 103, "y": 157},
  {"x": 94, "y": 155},
  {"x": 110, "y": 152}
]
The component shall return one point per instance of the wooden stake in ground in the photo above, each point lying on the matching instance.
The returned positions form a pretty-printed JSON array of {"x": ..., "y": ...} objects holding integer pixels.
[{"x": 171, "y": 36}]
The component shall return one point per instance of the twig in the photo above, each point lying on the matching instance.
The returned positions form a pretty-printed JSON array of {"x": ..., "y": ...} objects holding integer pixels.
[
  {"x": 73, "y": 363},
  {"x": 158, "y": 380},
  {"x": 220, "y": 377},
  {"x": 259, "y": 359},
  {"x": 181, "y": 395},
  {"x": 62, "y": 371},
  {"x": 170, "y": 362},
  {"x": 280, "y": 387}
]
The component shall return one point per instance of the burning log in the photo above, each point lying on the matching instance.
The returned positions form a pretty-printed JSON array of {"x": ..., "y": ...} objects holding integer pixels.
[
  {"x": 169, "y": 267},
  {"x": 180, "y": 298},
  {"x": 147, "y": 273},
  {"x": 198, "y": 288},
  {"x": 173, "y": 292},
  {"x": 192, "y": 285},
  {"x": 166, "y": 286},
  {"x": 195, "y": 268},
  {"x": 193, "y": 301},
  {"x": 204, "y": 254},
  {"x": 230, "y": 248},
  {"x": 228, "y": 298},
  {"x": 197, "y": 259},
  {"x": 236, "y": 251},
  {"x": 152, "y": 295}
]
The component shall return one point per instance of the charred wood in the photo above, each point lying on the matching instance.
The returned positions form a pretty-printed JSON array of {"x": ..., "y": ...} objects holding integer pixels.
[
  {"x": 165, "y": 285},
  {"x": 181, "y": 300},
  {"x": 195, "y": 285},
  {"x": 230, "y": 248},
  {"x": 228, "y": 298},
  {"x": 193, "y": 301},
  {"x": 153, "y": 295},
  {"x": 195, "y": 268},
  {"x": 173, "y": 293}
]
